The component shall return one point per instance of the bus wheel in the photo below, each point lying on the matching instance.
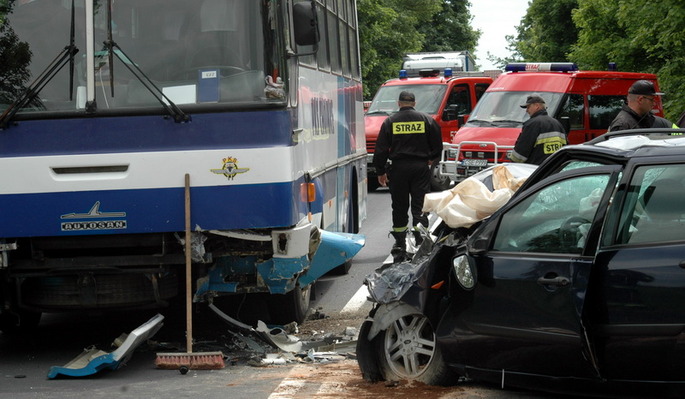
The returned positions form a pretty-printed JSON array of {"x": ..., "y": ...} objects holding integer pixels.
[
  {"x": 289, "y": 307},
  {"x": 19, "y": 322}
]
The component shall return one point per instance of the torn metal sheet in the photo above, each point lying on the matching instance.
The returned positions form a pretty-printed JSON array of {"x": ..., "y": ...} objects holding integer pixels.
[
  {"x": 93, "y": 360},
  {"x": 335, "y": 249},
  {"x": 279, "y": 338}
]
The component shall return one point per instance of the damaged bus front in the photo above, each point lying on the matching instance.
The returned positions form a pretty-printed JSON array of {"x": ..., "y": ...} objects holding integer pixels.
[{"x": 115, "y": 115}]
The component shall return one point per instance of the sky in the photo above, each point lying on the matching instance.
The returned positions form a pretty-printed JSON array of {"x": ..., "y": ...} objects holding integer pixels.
[{"x": 495, "y": 19}]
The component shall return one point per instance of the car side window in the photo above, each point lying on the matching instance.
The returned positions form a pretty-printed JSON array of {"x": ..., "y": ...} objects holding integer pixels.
[
  {"x": 555, "y": 219},
  {"x": 657, "y": 212}
]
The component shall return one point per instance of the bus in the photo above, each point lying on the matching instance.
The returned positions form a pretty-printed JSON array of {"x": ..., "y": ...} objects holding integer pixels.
[{"x": 135, "y": 132}]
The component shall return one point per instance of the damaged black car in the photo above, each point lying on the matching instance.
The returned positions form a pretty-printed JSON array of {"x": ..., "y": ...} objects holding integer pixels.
[{"x": 575, "y": 285}]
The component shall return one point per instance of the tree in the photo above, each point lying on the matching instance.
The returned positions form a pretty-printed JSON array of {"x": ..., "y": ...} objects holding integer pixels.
[
  {"x": 627, "y": 32},
  {"x": 389, "y": 29},
  {"x": 450, "y": 29},
  {"x": 547, "y": 31}
]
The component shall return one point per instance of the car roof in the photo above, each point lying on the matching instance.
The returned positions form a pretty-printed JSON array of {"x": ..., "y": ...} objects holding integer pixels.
[
  {"x": 638, "y": 141},
  {"x": 616, "y": 148}
]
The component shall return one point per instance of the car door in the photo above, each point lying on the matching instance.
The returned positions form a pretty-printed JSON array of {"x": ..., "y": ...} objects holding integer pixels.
[
  {"x": 640, "y": 322},
  {"x": 527, "y": 308}
]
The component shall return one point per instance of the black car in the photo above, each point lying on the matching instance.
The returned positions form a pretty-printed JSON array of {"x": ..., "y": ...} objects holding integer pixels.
[{"x": 575, "y": 285}]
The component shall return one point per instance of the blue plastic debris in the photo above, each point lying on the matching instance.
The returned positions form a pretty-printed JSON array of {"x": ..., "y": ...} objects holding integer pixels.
[{"x": 92, "y": 360}]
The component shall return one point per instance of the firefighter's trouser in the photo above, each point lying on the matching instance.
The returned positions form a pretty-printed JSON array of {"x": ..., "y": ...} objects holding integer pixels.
[{"x": 409, "y": 183}]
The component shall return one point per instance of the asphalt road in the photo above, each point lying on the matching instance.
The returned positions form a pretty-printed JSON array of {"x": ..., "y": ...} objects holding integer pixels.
[{"x": 25, "y": 360}]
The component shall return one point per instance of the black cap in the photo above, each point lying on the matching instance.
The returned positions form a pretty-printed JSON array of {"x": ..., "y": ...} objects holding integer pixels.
[
  {"x": 644, "y": 88},
  {"x": 532, "y": 100},
  {"x": 407, "y": 97}
]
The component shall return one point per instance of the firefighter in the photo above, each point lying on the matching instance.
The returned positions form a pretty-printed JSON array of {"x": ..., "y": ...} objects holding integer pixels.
[
  {"x": 412, "y": 141},
  {"x": 540, "y": 136},
  {"x": 637, "y": 113}
]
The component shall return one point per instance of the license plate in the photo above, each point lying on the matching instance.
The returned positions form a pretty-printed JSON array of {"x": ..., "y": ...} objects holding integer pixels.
[{"x": 475, "y": 162}]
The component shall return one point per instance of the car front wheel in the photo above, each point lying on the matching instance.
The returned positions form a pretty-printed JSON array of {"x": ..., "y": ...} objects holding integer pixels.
[{"x": 408, "y": 350}]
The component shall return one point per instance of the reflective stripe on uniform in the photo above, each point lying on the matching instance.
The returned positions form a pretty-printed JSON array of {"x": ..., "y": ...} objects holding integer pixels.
[{"x": 551, "y": 141}]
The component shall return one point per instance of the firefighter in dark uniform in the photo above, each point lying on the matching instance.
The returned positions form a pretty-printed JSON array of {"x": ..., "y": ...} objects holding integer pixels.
[
  {"x": 637, "y": 112},
  {"x": 540, "y": 136},
  {"x": 412, "y": 141}
]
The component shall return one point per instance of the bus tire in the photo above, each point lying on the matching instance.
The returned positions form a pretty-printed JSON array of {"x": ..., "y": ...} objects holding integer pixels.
[{"x": 291, "y": 306}]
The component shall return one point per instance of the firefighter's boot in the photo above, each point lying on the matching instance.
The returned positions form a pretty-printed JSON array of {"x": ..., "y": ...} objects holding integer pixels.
[
  {"x": 399, "y": 248},
  {"x": 418, "y": 238}
]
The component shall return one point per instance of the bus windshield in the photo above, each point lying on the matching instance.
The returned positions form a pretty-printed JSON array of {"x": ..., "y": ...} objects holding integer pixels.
[
  {"x": 194, "y": 52},
  {"x": 502, "y": 108},
  {"x": 428, "y": 98}
]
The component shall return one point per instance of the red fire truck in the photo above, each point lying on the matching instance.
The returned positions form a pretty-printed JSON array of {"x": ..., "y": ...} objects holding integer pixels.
[
  {"x": 584, "y": 101},
  {"x": 447, "y": 96}
]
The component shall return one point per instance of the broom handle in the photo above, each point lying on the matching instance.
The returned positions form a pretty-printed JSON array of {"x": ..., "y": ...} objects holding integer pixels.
[{"x": 189, "y": 302}]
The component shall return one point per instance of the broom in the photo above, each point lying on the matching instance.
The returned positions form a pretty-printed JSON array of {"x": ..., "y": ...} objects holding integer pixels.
[{"x": 189, "y": 360}]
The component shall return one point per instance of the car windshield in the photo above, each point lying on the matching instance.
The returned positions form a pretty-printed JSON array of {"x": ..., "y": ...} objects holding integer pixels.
[
  {"x": 428, "y": 98},
  {"x": 212, "y": 51},
  {"x": 502, "y": 108}
]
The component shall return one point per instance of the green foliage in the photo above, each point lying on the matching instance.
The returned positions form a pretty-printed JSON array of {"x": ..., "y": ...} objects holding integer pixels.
[
  {"x": 389, "y": 29},
  {"x": 547, "y": 31},
  {"x": 16, "y": 56},
  {"x": 640, "y": 36},
  {"x": 450, "y": 29}
]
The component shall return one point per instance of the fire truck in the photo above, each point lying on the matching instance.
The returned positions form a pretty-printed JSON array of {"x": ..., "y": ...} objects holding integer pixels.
[
  {"x": 585, "y": 102},
  {"x": 447, "y": 95}
]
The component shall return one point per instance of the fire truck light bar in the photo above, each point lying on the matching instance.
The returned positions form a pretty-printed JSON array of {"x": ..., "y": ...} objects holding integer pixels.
[{"x": 541, "y": 67}]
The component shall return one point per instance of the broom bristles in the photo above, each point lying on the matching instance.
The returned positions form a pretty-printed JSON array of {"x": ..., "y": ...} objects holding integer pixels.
[{"x": 193, "y": 361}]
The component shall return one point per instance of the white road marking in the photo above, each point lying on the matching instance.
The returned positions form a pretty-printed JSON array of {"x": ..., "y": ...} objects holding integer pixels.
[
  {"x": 288, "y": 387},
  {"x": 357, "y": 301},
  {"x": 359, "y": 298}
]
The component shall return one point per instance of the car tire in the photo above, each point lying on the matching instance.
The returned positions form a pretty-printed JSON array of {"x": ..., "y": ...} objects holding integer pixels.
[
  {"x": 289, "y": 307},
  {"x": 367, "y": 358},
  {"x": 408, "y": 350},
  {"x": 438, "y": 181}
]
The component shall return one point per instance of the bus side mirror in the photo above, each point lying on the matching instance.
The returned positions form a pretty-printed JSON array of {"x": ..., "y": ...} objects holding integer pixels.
[{"x": 306, "y": 25}]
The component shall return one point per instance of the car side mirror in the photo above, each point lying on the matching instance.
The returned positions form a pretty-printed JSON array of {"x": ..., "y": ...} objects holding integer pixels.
[
  {"x": 566, "y": 123},
  {"x": 450, "y": 113}
]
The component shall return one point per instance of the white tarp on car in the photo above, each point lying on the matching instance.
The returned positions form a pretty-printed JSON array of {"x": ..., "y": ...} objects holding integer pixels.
[{"x": 478, "y": 196}]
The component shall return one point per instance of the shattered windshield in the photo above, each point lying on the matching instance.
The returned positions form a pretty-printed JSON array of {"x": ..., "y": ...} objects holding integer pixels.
[
  {"x": 195, "y": 52},
  {"x": 428, "y": 98},
  {"x": 502, "y": 108}
]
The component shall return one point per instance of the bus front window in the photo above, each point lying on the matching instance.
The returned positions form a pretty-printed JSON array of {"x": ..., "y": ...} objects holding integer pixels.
[{"x": 195, "y": 52}]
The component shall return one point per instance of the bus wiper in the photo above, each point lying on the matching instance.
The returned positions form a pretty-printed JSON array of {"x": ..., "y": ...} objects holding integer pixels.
[
  {"x": 32, "y": 91},
  {"x": 378, "y": 113},
  {"x": 110, "y": 45}
]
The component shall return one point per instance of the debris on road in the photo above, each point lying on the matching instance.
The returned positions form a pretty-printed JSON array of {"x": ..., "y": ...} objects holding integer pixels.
[{"x": 93, "y": 360}]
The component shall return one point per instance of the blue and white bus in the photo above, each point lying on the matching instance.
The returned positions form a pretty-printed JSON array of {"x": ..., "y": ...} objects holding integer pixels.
[{"x": 128, "y": 126}]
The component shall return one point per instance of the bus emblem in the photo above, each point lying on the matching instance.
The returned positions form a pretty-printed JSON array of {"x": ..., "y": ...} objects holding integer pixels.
[
  {"x": 94, "y": 220},
  {"x": 229, "y": 168}
]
